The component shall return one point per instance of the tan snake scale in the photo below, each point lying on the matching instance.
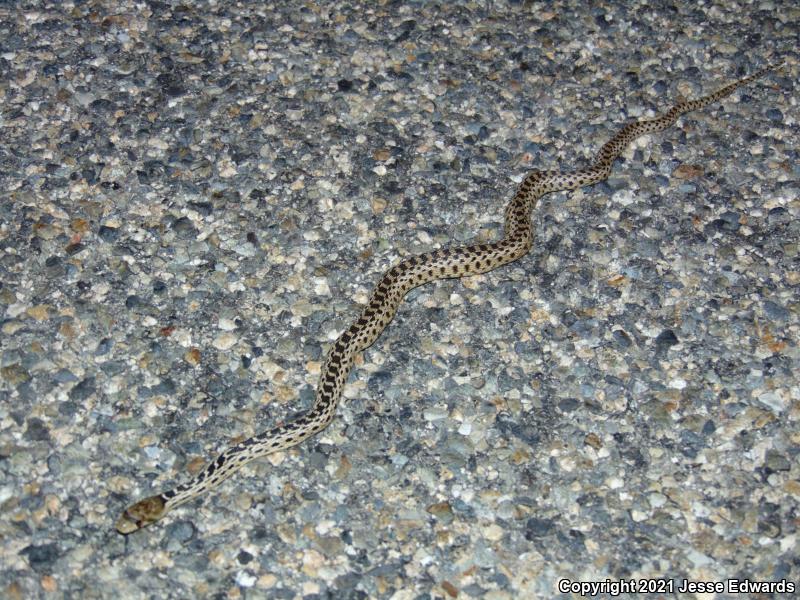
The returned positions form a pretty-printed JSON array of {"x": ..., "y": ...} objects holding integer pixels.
[{"x": 389, "y": 293}]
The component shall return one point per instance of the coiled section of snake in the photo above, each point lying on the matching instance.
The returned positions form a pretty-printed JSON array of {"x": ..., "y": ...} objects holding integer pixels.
[{"x": 389, "y": 293}]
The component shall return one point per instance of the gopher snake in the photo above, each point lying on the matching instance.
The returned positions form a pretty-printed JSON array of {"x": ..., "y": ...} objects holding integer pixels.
[{"x": 386, "y": 297}]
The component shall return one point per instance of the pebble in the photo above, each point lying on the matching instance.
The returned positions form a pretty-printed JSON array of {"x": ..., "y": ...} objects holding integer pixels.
[
  {"x": 774, "y": 401},
  {"x": 225, "y": 341}
]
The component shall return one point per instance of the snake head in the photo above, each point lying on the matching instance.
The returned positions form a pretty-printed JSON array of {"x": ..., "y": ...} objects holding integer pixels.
[{"x": 141, "y": 514}]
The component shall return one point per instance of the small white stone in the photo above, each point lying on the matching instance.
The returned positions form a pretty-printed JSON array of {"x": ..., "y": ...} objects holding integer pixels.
[
  {"x": 321, "y": 286},
  {"x": 493, "y": 532},
  {"x": 227, "y": 168},
  {"x": 245, "y": 579},
  {"x": 183, "y": 337},
  {"x": 157, "y": 143},
  {"x": 773, "y": 400},
  {"x": 677, "y": 383},
  {"x": 434, "y": 414},
  {"x": 225, "y": 341},
  {"x": 638, "y": 516},
  {"x": 698, "y": 558},
  {"x": 624, "y": 197},
  {"x": 324, "y": 527},
  {"x": 226, "y": 324}
]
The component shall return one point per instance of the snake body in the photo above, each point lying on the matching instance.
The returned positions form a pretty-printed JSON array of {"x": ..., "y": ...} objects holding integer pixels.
[{"x": 389, "y": 293}]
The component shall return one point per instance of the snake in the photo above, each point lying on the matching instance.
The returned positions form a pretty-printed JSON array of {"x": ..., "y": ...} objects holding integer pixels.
[{"x": 388, "y": 294}]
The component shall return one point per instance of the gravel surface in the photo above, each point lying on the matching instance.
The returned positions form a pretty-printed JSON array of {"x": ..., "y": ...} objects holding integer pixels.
[{"x": 196, "y": 197}]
